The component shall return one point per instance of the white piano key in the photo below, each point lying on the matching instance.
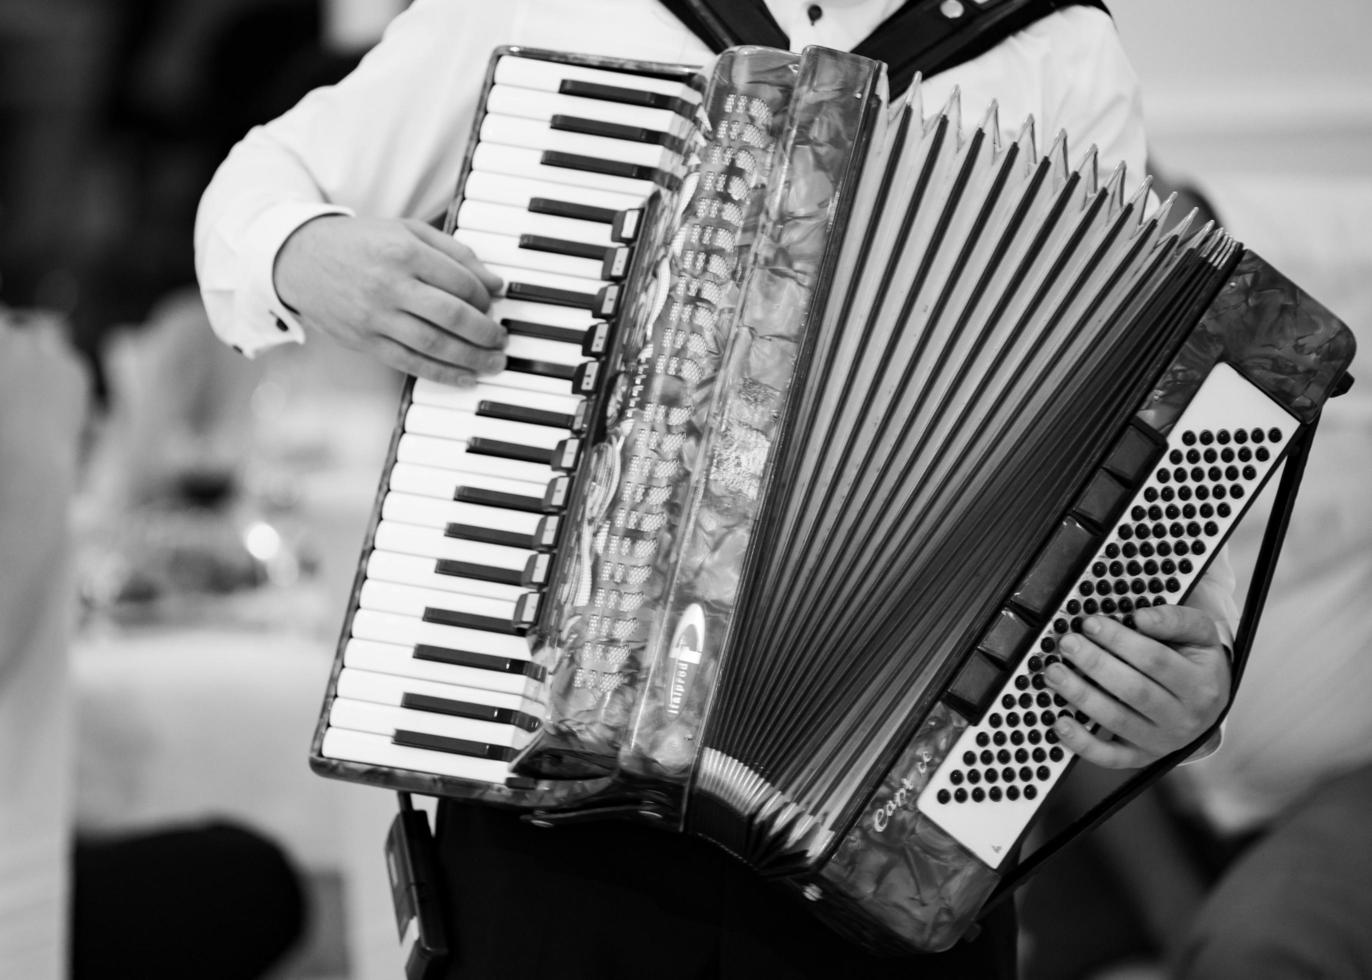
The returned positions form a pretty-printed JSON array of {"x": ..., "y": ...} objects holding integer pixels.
[
  {"x": 538, "y": 349},
  {"x": 378, "y": 750},
  {"x": 429, "y": 481},
  {"x": 520, "y": 191},
  {"x": 545, "y": 313},
  {"x": 438, "y": 395},
  {"x": 388, "y": 566},
  {"x": 530, "y": 382},
  {"x": 506, "y": 250},
  {"x": 549, "y": 75},
  {"x": 451, "y": 454},
  {"x": 407, "y": 508},
  {"x": 425, "y": 420},
  {"x": 411, "y": 600},
  {"x": 383, "y": 719},
  {"x": 518, "y": 161},
  {"x": 506, "y": 221},
  {"x": 409, "y": 539},
  {"x": 408, "y": 631},
  {"x": 393, "y": 658},
  {"x": 380, "y": 688},
  {"x": 513, "y": 100}
]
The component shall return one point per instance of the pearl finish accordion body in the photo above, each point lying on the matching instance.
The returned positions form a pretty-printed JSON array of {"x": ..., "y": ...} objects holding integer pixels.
[{"x": 824, "y": 420}]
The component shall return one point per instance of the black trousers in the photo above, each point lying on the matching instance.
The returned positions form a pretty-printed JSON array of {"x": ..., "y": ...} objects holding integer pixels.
[
  {"x": 211, "y": 901},
  {"x": 603, "y": 901}
]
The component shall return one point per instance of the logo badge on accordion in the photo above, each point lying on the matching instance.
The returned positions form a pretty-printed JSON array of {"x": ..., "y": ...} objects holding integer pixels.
[{"x": 688, "y": 642}]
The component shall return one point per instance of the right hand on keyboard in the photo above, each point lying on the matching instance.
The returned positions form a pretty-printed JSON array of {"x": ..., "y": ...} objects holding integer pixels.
[{"x": 400, "y": 290}]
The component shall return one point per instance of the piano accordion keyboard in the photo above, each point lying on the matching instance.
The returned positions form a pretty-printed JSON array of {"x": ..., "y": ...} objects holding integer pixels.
[{"x": 436, "y": 674}]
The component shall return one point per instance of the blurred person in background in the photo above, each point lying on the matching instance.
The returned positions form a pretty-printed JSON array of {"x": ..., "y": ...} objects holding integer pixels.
[
  {"x": 43, "y": 396},
  {"x": 209, "y": 900},
  {"x": 116, "y": 115},
  {"x": 1286, "y": 799}
]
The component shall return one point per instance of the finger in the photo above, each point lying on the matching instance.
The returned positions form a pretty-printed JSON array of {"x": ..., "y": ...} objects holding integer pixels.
[
  {"x": 459, "y": 253},
  {"x": 1117, "y": 678},
  {"x": 1098, "y": 706},
  {"x": 438, "y": 269},
  {"x": 1144, "y": 654},
  {"x": 1093, "y": 747},
  {"x": 1177, "y": 626},
  {"x": 409, "y": 361},
  {"x": 443, "y": 346},
  {"x": 453, "y": 315}
]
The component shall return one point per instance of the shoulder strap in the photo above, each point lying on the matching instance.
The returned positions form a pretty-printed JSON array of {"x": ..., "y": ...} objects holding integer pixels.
[
  {"x": 923, "y": 36},
  {"x": 930, "y": 36}
]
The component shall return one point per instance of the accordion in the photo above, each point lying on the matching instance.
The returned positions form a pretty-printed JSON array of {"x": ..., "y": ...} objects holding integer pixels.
[{"x": 825, "y": 417}]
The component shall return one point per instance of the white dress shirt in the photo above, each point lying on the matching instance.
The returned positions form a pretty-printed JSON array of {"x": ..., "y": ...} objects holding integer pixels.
[{"x": 389, "y": 139}]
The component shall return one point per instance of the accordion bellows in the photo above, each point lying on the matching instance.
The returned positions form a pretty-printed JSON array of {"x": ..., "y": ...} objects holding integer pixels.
[{"x": 891, "y": 402}]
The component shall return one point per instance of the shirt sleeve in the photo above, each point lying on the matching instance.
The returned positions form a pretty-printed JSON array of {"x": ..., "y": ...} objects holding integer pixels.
[{"x": 386, "y": 141}]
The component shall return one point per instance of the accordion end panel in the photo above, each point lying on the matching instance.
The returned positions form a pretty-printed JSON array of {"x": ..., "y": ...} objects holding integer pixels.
[{"x": 1244, "y": 388}]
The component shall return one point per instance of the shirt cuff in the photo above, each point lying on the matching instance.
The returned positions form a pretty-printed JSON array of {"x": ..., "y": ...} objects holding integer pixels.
[{"x": 261, "y": 320}]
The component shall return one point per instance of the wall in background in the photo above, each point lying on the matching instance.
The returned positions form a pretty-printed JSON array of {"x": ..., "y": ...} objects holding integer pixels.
[{"x": 1254, "y": 86}]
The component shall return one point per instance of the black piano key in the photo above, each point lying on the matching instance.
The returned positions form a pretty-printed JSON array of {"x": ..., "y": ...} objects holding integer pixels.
[
  {"x": 544, "y": 331},
  {"x": 585, "y": 376},
  {"x": 453, "y": 746},
  {"x": 481, "y": 446},
  {"x": 596, "y": 340},
  {"x": 469, "y": 709},
  {"x": 624, "y": 96},
  {"x": 482, "y": 573},
  {"x": 560, "y": 246},
  {"x": 471, "y": 621},
  {"x": 497, "y": 498},
  {"x": 597, "y": 165},
  {"x": 490, "y": 535},
  {"x": 521, "y": 413},
  {"x": 570, "y": 209},
  {"x": 615, "y": 265},
  {"x": 546, "y": 369},
  {"x": 553, "y": 297},
  {"x": 625, "y": 226},
  {"x": 479, "y": 661},
  {"x": 606, "y": 301},
  {"x": 613, "y": 130},
  {"x": 533, "y": 574}
]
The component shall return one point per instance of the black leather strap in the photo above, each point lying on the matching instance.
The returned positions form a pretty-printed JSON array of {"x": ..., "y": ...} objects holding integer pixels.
[{"x": 923, "y": 36}]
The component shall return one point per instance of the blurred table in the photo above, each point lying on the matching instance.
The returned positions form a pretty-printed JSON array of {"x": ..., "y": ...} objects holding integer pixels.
[{"x": 202, "y": 703}]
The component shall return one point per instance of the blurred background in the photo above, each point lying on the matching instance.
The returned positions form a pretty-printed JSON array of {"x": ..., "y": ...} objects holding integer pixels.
[{"x": 223, "y": 502}]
